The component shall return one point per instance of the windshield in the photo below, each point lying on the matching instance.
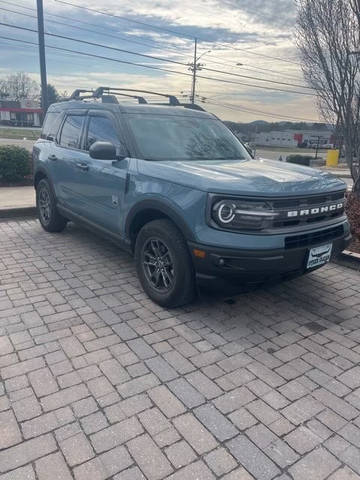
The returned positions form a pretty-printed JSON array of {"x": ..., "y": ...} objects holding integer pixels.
[{"x": 167, "y": 137}]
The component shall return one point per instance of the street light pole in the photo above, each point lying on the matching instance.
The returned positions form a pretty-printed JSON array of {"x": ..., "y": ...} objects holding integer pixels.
[
  {"x": 317, "y": 147},
  {"x": 41, "y": 40}
]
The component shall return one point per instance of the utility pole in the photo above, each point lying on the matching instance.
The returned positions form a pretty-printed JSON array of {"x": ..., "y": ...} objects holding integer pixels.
[
  {"x": 194, "y": 66},
  {"x": 41, "y": 40}
]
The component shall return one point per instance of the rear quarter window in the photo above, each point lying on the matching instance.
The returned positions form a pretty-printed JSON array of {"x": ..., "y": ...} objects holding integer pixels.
[{"x": 51, "y": 125}]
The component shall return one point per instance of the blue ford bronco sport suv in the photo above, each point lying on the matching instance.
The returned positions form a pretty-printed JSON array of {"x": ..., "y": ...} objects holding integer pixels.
[{"x": 174, "y": 186}]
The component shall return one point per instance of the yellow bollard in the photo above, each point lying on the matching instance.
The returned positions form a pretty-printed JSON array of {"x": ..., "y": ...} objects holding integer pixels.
[{"x": 332, "y": 158}]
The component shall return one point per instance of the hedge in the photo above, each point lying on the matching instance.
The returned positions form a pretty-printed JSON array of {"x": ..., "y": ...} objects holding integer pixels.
[{"x": 15, "y": 163}]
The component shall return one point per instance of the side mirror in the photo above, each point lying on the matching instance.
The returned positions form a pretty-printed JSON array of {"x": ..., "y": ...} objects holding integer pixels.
[{"x": 102, "y": 151}]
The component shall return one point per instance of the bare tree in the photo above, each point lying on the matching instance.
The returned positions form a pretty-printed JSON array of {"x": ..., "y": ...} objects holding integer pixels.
[
  {"x": 19, "y": 86},
  {"x": 327, "y": 35},
  {"x": 4, "y": 91}
]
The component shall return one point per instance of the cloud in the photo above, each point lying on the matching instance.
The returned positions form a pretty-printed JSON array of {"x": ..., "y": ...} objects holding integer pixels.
[
  {"x": 276, "y": 14},
  {"x": 229, "y": 31}
]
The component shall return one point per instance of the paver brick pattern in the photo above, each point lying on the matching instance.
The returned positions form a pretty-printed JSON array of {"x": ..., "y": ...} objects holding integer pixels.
[{"x": 97, "y": 382}]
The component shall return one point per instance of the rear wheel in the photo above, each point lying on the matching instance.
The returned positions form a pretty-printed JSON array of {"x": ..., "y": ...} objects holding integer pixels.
[
  {"x": 49, "y": 217},
  {"x": 164, "y": 265}
]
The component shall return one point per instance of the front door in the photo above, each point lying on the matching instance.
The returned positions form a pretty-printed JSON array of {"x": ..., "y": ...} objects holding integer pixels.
[{"x": 102, "y": 185}]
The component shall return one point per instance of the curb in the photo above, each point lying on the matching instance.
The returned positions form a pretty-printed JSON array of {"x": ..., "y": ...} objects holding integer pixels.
[
  {"x": 6, "y": 213},
  {"x": 348, "y": 259}
]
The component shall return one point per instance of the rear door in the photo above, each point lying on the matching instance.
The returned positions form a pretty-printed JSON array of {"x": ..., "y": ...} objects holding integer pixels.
[{"x": 103, "y": 183}]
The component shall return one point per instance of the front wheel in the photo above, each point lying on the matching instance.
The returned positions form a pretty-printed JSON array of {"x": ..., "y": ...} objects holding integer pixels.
[
  {"x": 164, "y": 265},
  {"x": 49, "y": 217}
]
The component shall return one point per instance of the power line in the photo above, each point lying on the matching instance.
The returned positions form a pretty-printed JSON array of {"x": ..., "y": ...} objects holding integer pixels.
[
  {"x": 262, "y": 87},
  {"x": 116, "y": 37},
  {"x": 256, "y": 53},
  {"x": 98, "y": 56},
  {"x": 152, "y": 57},
  {"x": 246, "y": 66},
  {"x": 101, "y": 12},
  {"x": 255, "y": 78},
  {"x": 231, "y": 107},
  {"x": 136, "y": 41},
  {"x": 94, "y": 44},
  {"x": 248, "y": 110}
]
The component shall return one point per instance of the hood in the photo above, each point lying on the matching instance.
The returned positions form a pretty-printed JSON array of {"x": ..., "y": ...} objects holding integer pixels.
[{"x": 244, "y": 177}]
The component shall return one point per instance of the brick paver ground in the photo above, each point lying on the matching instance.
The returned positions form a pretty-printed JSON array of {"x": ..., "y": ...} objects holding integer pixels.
[{"x": 97, "y": 382}]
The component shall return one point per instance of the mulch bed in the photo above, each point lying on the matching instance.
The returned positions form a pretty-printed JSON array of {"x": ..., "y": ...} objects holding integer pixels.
[
  {"x": 354, "y": 245},
  {"x": 353, "y": 213}
]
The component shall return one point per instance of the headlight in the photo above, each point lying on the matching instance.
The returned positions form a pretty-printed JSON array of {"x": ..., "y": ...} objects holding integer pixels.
[
  {"x": 242, "y": 214},
  {"x": 226, "y": 212}
]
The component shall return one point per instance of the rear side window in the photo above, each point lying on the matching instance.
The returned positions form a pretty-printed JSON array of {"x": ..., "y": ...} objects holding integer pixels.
[
  {"x": 101, "y": 129},
  {"x": 71, "y": 131},
  {"x": 51, "y": 125}
]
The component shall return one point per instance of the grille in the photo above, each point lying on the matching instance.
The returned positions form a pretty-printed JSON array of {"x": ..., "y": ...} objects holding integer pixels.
[
  {"x": 307, "y": 201},
  {"x": 284, "y": 206},
  {"x": 309, "y": 239}
]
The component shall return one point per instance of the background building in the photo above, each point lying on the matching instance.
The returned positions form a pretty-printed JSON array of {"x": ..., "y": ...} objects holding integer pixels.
[
  {"x": 295, "y": 138},
  {"x": 22, "y": 113}
]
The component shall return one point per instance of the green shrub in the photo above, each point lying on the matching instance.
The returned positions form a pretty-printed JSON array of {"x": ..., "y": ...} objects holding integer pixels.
[
  {"x": 15, "y": 163},
  {"x": 300, "y": 159}
]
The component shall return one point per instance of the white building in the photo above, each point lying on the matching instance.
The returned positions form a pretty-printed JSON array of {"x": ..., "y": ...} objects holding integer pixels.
[
  {"x": 276, "y": 139},
  {"x": 295, "y": 138}
]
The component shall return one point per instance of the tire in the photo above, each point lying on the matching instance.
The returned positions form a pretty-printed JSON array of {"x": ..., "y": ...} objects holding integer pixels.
[
  {"x": 48, "y": 215},
  {"x": 160, "y": 241}
]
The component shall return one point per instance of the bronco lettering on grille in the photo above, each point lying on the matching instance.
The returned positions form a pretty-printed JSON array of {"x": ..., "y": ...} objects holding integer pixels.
[{"x": 316, "y": 210}]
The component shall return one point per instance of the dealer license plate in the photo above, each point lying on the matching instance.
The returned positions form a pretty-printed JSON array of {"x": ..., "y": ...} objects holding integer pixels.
[{"x": 319, "y": 255}]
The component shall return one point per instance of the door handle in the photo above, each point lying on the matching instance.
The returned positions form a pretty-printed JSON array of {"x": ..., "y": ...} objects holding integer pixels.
[
  {"x": 52, "y": 157},
  {"x": 83, "y": 166}
]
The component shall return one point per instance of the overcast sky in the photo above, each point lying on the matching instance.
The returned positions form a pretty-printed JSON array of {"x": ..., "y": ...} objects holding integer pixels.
[{"x": 229, "y": 32}]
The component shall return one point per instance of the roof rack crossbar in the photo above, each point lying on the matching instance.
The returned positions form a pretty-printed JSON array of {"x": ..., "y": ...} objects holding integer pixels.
[
  {"x": 137, "y": 97},
  {"x": 101, "y": 90},
  {"x": 76, "y": 94}
]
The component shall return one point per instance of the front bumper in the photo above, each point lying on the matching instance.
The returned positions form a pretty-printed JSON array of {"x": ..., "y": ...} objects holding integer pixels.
[{"x": 255, "y": 266}]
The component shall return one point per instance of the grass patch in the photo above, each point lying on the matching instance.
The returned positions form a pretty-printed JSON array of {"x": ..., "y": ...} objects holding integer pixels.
[{"x": 20, "y": 133}]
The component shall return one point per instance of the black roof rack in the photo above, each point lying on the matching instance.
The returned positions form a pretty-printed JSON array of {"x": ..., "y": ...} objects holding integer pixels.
[
  {"x": 111, "y": 90},
  {"x": 76, "y": 95},
  {"x": 108, "y": 95}
]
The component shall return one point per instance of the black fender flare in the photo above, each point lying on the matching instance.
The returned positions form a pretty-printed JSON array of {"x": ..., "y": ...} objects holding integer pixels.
[
  {"x": 163, "y": 207},
  {"x": 43, "y": 171},
  {"x": 46, "y": 175}
]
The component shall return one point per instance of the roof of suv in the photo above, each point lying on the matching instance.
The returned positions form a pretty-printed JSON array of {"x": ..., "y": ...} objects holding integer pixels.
[{"x": 127, "y": 109}]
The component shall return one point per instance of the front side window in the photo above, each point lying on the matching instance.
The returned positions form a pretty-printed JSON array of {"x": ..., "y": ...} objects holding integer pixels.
[
  {"x": 168, "y": 137},
  {"x": 101, "y": 129},
  {"x": 71, "y": 131},
  {"x": 51, "y": 125}
]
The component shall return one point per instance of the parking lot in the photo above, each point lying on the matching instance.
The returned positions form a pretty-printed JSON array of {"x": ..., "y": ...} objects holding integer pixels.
[{"x": 97, "y": 382}]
